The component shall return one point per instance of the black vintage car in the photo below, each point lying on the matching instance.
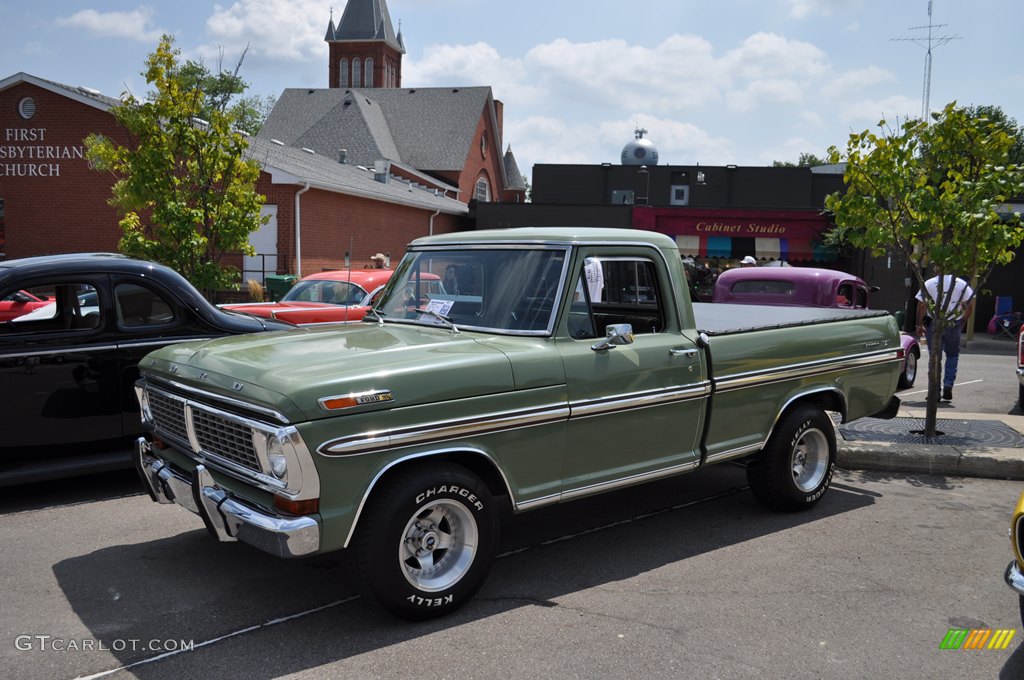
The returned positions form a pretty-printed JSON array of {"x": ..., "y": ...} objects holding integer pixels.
[{"x": 67, "y": 368}]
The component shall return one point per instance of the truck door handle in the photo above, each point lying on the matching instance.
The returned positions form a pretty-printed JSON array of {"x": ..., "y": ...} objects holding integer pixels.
[{"x": 677, "y": 352}]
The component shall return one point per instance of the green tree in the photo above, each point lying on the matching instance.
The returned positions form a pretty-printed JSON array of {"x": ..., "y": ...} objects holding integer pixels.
[
  {"x": 223, "y": 91},
  {"x": 933, "y": 193},
  {"x": 996, "y": 115},
  {"x": 185, "y": 190},
  {"x": 805, "y": 160}
]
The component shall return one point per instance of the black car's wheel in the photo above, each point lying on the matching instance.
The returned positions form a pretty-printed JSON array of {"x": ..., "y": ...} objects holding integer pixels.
[
  {"x": 909, "y": 374},
  {"x": 427, "y": 540},
  {"x": 795, "y": 468}
]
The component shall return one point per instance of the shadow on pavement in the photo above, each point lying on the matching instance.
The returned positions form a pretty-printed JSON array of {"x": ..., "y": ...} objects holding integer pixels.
[{"x": 188, "y": 586}]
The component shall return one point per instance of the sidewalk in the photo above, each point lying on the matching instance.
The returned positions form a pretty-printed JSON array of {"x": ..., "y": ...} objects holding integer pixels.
[{"x": 968, "y": 456}]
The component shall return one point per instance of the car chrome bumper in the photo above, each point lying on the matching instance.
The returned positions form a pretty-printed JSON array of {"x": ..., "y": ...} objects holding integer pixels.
[
  {"x": 1014, "y": 578},
  {"x": 226, "y": 518}
]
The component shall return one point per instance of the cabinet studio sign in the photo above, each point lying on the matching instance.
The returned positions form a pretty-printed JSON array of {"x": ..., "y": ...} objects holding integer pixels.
[
  {"x": 25, "y": 153},
  {"x": 751, "y": 229}
]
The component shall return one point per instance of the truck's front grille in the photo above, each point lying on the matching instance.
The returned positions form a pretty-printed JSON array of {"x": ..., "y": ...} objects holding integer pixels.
[
  {"x": 168, "y": 414},
  {"x": 218, "y": 434},
  {"x": 222, "y": 437}
]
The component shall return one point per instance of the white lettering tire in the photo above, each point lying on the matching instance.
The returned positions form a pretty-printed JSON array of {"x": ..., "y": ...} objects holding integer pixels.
[
  {"x": 796, "y": 466},
  {"x": 426, "y": 540}
]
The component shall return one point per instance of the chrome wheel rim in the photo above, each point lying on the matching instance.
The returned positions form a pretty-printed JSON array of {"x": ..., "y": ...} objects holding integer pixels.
[
  {"x": 810, "y": 460},
  {"x": 910, "y": 370},
  {"x": 438, "y": 545}
]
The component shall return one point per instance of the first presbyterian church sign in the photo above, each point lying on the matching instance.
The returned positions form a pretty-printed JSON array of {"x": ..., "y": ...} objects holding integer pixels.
[{"x": 24, "y": 152}]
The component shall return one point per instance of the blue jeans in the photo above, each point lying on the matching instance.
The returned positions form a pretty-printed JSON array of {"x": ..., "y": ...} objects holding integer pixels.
[{"x": 951, "y": 347}]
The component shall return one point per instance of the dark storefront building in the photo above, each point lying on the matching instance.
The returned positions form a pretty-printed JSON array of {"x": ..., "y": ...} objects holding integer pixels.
[{"x": 720, "y": 214}]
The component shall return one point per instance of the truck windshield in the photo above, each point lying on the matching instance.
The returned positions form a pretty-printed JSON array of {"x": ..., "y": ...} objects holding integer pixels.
[{"x": 496, "y": 289}]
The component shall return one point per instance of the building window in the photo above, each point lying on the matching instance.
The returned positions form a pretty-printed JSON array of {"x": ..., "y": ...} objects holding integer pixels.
[
  {"x": 27, "y": 107},
  {"x": 343, "y": 73},
  {"x": 483, "y": 144},
  {"x": 369, "y": 72},
  {"x": 357, "y": 76},
  {"x": 482, "y": 193}
]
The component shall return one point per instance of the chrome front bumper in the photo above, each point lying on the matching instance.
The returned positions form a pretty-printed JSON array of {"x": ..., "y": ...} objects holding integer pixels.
[
  {"x": 1014, "y": 578},
  {"x": 225, "y": 517}
]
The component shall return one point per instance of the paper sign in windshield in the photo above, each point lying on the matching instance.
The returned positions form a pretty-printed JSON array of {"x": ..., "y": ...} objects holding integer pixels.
[{"x": 440, "y": 306}]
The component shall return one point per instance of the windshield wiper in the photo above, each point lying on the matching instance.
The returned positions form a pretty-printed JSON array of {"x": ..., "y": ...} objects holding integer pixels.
[
  {"x": 438, "y": 315},
  {"x": 377, "y": 313}
]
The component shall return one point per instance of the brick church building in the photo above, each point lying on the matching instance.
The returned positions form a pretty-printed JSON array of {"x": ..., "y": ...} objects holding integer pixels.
[{"x": 360, "y": 167}]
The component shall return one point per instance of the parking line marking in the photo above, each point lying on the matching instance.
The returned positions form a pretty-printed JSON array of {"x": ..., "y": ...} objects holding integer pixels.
[
  {"x": 336, "y": 603},
  {"x": 969, "y": 382},
  {"x": 249, "y": 629}
]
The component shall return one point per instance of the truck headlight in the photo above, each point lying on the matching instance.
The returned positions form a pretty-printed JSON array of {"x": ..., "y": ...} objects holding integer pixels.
[
  {"x": 275, "y": 456},
  {"x": 144, "y": 410}
]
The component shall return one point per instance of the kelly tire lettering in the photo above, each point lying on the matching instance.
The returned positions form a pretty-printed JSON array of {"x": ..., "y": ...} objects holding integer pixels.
[
  {"x": 427, "y": 540},
  {"x": 795, "y": 469}
]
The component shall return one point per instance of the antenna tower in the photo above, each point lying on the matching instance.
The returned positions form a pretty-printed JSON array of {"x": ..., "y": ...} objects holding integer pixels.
[{"x": 928, "y": 42}]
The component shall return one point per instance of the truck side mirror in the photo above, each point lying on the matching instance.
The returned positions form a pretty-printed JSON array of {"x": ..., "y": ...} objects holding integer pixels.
[{"x": 615, "y": 334}]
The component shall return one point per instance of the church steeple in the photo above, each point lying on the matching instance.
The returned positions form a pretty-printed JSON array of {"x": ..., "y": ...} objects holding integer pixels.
[{"x": 365, "y": 51}]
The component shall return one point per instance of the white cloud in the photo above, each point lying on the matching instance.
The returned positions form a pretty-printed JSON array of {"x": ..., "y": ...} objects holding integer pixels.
[
  {"x": 867, "y": 112},
  {"x": 279, "y": 30},
  {"x": 477, "y": 64},
  {"x": 134, "y": 25},
  {"x": 803, "y": 9},
  {"x": 679, "y": 73},
  {"x": 857, "y": 79},
  {"x": 766, "y": 55},
  {"x": 761, "y": 92}
]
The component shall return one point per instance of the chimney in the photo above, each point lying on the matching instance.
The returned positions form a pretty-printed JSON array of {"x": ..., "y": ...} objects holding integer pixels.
[
  {"x": 381, "y": 170},
  {"x": 343, "y": 156}
]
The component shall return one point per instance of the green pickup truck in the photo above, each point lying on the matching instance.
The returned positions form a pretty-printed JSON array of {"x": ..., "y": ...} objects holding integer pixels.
[{"x": 552, "y": 364}]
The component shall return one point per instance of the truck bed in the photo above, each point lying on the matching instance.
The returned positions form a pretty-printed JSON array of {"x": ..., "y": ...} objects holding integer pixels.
[{"x": 724, "y": 319}]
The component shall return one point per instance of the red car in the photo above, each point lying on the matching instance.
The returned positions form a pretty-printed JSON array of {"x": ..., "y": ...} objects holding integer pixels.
[
  {"x": 328, "y": 297},
  {"x": 19, "y": 302}
]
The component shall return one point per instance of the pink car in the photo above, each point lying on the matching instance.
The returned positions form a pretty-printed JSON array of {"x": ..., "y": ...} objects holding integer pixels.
[
  {"x": 328, "y": 297},
  {"x": 807, "y": 287}
]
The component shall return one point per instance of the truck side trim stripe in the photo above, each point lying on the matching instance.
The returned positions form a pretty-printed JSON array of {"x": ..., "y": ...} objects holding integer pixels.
[
  {"x": 367, "y": 442},
  {"x": 373, "y": 441},
  {"x": 627, "y": 481},
  {"x": 805, "y": 370},
  {"x": 596, "y": 407}
]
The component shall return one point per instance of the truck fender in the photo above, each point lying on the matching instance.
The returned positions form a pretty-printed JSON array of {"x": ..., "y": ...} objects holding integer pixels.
[{"x": 487, "y": 465}]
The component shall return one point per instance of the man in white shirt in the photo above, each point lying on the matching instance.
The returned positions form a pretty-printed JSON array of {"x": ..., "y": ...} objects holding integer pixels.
[{"x": 960, "y": 304}]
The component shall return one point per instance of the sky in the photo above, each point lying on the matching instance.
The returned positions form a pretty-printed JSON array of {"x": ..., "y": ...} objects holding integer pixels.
[{"x": 715, "y": 82}]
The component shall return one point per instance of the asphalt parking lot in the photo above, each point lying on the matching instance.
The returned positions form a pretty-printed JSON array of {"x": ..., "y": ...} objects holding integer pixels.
[{"x": 682, "y": 578}]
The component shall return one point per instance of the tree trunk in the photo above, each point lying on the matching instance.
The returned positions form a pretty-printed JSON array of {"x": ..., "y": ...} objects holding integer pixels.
[{"x": 934, "y": 344}]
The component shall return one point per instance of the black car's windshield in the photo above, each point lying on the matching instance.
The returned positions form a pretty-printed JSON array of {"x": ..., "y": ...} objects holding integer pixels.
[{"x": 504, "y": 290}]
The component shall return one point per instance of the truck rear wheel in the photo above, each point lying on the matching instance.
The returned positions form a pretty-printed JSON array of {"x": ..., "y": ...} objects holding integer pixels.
[
  {"x": 427, "y": 540},
  {"x": 795, "y": 468}
]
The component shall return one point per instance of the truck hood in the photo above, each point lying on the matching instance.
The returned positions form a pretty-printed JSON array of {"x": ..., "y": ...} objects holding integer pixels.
[{"x": 415, "y": 364}]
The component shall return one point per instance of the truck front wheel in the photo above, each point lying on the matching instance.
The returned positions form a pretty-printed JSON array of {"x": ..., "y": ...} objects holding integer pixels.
[
  {"x": 795, "y": 468},
  {"x": 427, "y": 540}
]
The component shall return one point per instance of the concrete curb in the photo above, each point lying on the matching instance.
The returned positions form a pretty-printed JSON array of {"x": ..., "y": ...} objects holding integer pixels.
[{"x": 933, "y": 459}]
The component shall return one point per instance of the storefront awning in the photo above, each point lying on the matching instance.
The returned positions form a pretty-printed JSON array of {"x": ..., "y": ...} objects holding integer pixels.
[{"x": 788, "y": 235}]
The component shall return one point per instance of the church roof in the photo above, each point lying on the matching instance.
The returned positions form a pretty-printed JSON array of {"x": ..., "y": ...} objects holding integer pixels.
[
  {"x": 429, "y": 129},
  {"x": 84, "y": 95},
  {"x": 513, "y": 178},
  {"x": 291, "y": 165},
  {"x": 365, "y": 20}
]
